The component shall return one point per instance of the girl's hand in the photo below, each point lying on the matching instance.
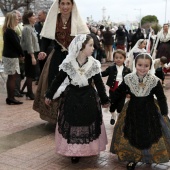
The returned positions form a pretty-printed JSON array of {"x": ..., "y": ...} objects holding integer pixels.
[
  {"x": 106, "y": 105},
  {"x": 47, "y": 101},
  {"x": 41, "y": 56}
]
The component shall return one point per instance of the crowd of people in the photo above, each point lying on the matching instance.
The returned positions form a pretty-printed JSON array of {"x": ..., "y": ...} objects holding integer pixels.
[{"x": 64, "y": 55}]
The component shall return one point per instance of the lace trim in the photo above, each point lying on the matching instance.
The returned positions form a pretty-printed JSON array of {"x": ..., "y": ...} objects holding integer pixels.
[
  {"x": 138, "y": 89},
  {"x": 80, "y": 75}
]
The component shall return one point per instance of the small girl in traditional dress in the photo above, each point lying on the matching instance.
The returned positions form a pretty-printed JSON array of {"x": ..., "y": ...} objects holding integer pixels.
[
  {"x": 80, "y": 130},
  {"x": 138, "y": 48},
  {"x": 116, "y": 74},
  {"x": 142, "y": 131}
]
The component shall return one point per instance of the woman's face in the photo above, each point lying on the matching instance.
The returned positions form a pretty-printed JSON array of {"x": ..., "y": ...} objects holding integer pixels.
[
  {"x": 142, "y": 67},
  {"x": 142, "y": 45},
  {"x": 88, "y": 50},
  {"x": 165, "y": 28},
  {"x": 32, "y": 19},
  {"x": 65, "y": 7}
]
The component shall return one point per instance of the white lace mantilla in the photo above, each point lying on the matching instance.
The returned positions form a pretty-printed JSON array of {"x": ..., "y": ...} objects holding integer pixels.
[
  {"x": 80, "y": 75},
  {"x": 138, "y": 89}
]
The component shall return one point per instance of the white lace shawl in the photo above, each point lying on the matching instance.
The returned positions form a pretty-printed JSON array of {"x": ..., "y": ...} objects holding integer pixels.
[
  {"x": 69, "y": 65},
  {"x": 80, "y": 75},
  {"x": 149, "y": 81},
  {"x": 162, "y": 38}
]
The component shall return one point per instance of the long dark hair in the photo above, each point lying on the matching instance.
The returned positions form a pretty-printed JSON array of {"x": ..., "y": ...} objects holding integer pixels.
[{"x": 88, "y": 37}]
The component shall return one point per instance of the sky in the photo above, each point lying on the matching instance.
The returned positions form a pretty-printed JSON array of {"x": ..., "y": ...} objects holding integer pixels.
[{"x": 123, "y": 10}]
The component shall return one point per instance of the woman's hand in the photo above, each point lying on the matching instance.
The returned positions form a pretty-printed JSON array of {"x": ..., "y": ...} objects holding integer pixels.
[
  {"x": 42, "y": 55},
  {"x": 47, "y": 101}
]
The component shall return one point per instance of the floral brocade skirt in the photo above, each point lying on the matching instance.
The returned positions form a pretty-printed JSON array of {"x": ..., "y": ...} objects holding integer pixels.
[
  {"x": 158, "y": 153},
  {"x": 11, "y": 65}
]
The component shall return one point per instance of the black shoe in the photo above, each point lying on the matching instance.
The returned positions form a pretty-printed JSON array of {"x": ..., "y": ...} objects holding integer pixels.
[
  {"x": 30, "y": 96},
  {"x": 18, "y": 95},
  {"x": 75, "y": 160},
  {"x": 112, "y": 121},
  {"x": 131, "y": 166},
  {"x": 13, "y": 101}
]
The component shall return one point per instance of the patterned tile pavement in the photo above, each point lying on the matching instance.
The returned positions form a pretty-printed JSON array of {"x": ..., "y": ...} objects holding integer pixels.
[{"x": 27, "y": 142}]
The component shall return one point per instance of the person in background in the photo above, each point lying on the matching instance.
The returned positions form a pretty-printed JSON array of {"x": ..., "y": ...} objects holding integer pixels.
[
  {"x": 108, "y": 41},
  {"x": 38, "y": 27},
  {"x": 18, "y": 30},
  {"x": 93, "y": 34},
  {"x": 142, "y": 131},
  {"x": 11, "y": 53},
  {"x": 30, "y": 46},
  {"x": 138, "y": 48},
  {"x": 159, "y": 65},
  {"x": 129, "y": 40},
  {"x": 63, "y": 22},
  {"x": 116, "y": 74},
  {"x": 120, "y": 38},
  {"x": 137, "y": 36},
  {"x": 162, "y": 45},
  {"x": 80, "y": 131}
]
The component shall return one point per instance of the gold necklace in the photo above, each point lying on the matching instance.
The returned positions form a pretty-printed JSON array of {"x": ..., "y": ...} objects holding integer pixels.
[
  {"x": 64, "y": 21},
  {"x": 64, "y": 25}
]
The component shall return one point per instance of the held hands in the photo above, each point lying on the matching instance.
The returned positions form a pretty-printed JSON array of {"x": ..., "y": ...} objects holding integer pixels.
[
  {"x": 47, "y": 101},
  {"x": 106, "y": 105},
  {"x": 41, "y": 56}
]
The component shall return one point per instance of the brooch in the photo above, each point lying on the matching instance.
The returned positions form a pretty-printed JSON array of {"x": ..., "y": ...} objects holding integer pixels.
[{"x": 81, "y": 70}]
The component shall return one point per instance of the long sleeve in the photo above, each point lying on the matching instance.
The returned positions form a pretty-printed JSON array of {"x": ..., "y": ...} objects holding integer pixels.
[
  {"x": 106, "y": 72},
  {"x": 101, "y": 89},
  {"x": 15, "y": 42},
  {"x": 27, "y": 40},
  {"x": 12, "y": 47},
  {"x": 45, "y": 43},
  {"x": 56, "y": 84},
  {"x": 158, "y": 90}
]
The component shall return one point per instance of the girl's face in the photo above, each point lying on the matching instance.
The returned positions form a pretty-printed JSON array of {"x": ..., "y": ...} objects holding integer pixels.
[
  {"x": 65, "y": 7},
  {"x": 142, "y": 45},
  {"x": 142, "y": 67},
  {"x": 119, "y": 59},
  {"x": 32, "y": 19},
  {"x": 88, "y": 50}
]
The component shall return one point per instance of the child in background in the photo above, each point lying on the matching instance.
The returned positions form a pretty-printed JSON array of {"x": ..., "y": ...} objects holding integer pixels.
[
  {"x": 115, "y": 75},
  {"x": 142, "y": 131},
  {"x": 159, "y": 65},
  {"x": 138, "y": 48}
]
